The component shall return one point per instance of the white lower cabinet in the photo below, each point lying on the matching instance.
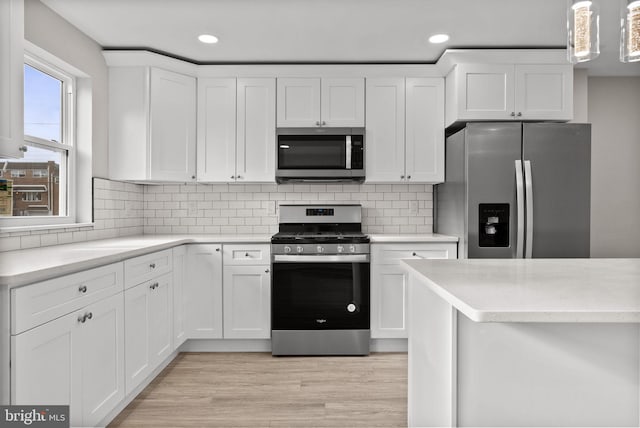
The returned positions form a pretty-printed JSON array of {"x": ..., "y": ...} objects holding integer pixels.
[
  {"x": 77, "y": 359},
  {"x": 202, "y": 291},
  {"x": 179, "y": 313},
  {"x": 148, "y": 334},
  {"x": 389, "y": 284},
  {"x": 247, "y": 302}
]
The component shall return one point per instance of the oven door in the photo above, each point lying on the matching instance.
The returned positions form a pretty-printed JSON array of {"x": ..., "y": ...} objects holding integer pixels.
[{"x": 320, "y": 292}]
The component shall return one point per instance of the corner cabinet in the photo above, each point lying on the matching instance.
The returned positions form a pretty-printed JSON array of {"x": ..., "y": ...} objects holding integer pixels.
[
  {"x": 11, "y": 78},
  {"x": 405, "y": 130},
  {"x": 152, "y": 125},
  {"x": 236, "y": 130},
  {"x": 389, "y": 285},
  {"x": 509, "y": 92},
  {"x": 315, "y": 102}
]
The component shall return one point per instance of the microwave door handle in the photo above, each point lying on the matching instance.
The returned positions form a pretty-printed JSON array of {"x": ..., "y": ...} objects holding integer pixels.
[{"x": 348, "y": 151}]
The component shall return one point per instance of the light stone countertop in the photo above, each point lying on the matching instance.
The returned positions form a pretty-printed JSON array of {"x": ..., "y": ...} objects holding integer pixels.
[
  {"x": 536, "y": 290},
  {"x": 23, "y": 267},
  {"x": 411, "y": 238}
]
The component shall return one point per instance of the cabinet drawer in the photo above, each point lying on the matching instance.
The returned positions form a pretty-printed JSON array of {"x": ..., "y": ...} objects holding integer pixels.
[
  {"x": 246, "y": 254},
  {"x": 391, "y": 254},
  {"x": 44, "y": 301},
  {"x": 144, "y": 268}
]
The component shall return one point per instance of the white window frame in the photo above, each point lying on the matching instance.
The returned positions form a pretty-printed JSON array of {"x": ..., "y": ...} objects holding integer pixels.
[{"x": 68, "y": 171}]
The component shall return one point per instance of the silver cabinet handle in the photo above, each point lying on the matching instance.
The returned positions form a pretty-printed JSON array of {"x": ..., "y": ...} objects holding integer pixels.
[
  {"x": 152, "y": 265},
  {"x": 513, "y": 114},
  {"x": 233, "y": 177},
  {"x": 193, "y": 177},
  {"x": 154, "y": 286},
  {"x": 82, "y": 289},
  {"x": 218, "y": 249},
  {"x": 266, "y": 271},
  {"x": 90, "y": 315},
  {"x": 317, "y": 123},
  {"x": 408, "y": 177},
  {"x": 324, "y": 123},
  {"x": 402, "y": 177},
  {"x": 246, "y": 254},
  {"x": 82, "y": 318},
  {"x": 23, "y": 149},
  {"x": 519, "y": 114},
  {"x": 239, "y": 177}
]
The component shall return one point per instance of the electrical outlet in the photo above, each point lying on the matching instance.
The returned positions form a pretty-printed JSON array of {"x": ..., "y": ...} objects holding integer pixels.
[{"x": 413, "y": 207}]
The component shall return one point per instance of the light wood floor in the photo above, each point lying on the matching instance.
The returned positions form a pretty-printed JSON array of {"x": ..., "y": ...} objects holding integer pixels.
[{"x": 258, "y": 390}]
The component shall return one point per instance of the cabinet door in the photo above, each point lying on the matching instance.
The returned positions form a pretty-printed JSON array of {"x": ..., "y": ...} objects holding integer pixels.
[
  {"x": 216, "y": 130},
  {"x": 42, "y": 364},
  {"x": 425, "y": 130},
  {"x": 179, "y": 277},
  {"x": 172, "y": 127},
  {"x": 137, "y": 313},
  {"x": 298, "y": 102},
  {"x": 385, "y": 130},
  {"x": 544, "y": 92},
  {"x": 160, "y": 317},
  {"x": 388, "y": 302},
  {"x": 11, "y": 78},
  {"x": 99, "y": 385},
  {"x": 247, "y": 302},
  {"x": 203, "y": 291},
  {"x": 342, "y": 102},
  {"x": 256, "y": 136},
  {"x": 485, "y": 92}
]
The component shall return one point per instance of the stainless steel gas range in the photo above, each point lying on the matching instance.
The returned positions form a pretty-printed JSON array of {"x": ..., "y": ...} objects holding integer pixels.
[{"x": 320, "y": 282}]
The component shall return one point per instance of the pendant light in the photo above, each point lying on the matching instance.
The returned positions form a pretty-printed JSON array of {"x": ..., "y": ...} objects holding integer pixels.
[
  {"x": 629, "y": 30},
  {"x": 583, "y": 30}
]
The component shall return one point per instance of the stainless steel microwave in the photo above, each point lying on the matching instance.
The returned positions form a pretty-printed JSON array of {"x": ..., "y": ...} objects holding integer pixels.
[{"x": 320, "y": 155}]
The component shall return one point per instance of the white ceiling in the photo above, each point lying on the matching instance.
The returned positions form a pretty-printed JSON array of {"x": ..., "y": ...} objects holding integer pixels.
[{"x": 334, "y": 30}]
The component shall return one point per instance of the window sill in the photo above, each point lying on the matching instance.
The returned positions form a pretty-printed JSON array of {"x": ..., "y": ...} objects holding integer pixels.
[{"x": 42, "y": 228}]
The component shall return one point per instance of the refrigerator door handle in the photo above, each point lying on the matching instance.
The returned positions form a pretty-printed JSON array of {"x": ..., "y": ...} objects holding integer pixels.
[
  {"x": 520, "y": 209},
  {"x": 528, "y": 252}
]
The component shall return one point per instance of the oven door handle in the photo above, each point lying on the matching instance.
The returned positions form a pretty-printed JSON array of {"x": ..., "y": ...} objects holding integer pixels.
[{"x": 348, "y": 258}]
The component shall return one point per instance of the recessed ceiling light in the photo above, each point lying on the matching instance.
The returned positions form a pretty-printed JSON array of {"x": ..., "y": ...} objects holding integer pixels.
[
  {"x": 439, "y": 38},
  {"x": 207, "y": 38}
]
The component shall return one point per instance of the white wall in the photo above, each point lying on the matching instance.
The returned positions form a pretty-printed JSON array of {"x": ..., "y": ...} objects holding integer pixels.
[
  {"x": 614, "y": 111},
  {"x": 49, "y": 31}
]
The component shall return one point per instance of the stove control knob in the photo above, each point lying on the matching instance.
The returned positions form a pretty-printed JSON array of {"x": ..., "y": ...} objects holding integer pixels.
[
  {"x": 352, "y": 248},
  {"x": 320, "y": 249},
  {"x": 300, "y": 249},
  {"x": 351, "y": 307},
  {"x": 340, "y": 249},
  {"x": 287, "y": 249}
]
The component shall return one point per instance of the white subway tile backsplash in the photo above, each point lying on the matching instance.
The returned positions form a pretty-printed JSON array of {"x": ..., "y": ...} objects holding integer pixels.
[{"x": 122, "y": 209}]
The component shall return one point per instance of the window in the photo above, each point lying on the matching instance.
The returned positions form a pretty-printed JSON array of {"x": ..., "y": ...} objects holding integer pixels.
[
  {"x": 32, "y": 197},
  {"x": 48, "y": 126}
]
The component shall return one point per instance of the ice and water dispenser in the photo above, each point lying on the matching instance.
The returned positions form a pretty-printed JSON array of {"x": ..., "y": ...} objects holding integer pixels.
[{"x": 493, "y": 227}]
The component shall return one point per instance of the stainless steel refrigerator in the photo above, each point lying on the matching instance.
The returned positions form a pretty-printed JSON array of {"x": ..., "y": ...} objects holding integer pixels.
[{"x": 517, "y": 190}]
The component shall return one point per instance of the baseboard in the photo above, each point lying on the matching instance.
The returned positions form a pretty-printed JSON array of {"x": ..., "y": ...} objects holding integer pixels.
[{"x": 389, "y": 345}]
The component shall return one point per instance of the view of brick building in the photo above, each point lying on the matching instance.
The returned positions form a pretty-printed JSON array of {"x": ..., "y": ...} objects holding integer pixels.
[{"x": 36, "y": 187}]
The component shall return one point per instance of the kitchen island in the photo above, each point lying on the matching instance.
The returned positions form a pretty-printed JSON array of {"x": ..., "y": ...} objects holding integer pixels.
[{"x": 512, "y": 342}]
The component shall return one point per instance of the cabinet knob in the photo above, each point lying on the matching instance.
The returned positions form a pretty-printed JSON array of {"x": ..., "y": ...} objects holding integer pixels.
[
  {"x": 324, "y": 123},
  {"x": 414, "y": 254},
  {"x": 90, "y": 315},
  {"x": 152, "y": 265},
  {"x": 23, "y": 149},
  {"x": 239, "y": 177},
  {"x": 519, "y": 114},
  {"x": 193, "y": 177},
  {"x": 233, "y": 177},
  {"x": 82, "y": 289},
  {"x": 218, "y": 249},
  {"x": 408, "y": 177},
  {"x": 513, "y": 113},
  {"x": 154, "y": 286},
  {"x": 82, "y": 318},
  {"x": 402, "y": 177},
  {"x": 246, "y": 254},
  {"x": 317, "y": 123},
  {"x": 266, "y": 271}
]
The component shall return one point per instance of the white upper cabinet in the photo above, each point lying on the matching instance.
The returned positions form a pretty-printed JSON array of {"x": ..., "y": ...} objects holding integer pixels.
[
  {"x": 11, "y": 78},
  {"x": 508, "y": 91},
  {"x": 312, "y": 102},
  {"x": 405, "y": 130},
  {"x": 236, "y": 129},
  {"x": 152, "y": 125},
  {"x": 385, "y": 130}
]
